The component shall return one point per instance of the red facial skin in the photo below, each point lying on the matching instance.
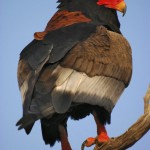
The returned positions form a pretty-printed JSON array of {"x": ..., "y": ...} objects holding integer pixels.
[{"x": 109, "y": 3}]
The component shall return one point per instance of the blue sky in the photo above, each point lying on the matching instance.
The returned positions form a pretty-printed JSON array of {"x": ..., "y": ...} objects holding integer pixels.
[{"x": 19, "y": 21}]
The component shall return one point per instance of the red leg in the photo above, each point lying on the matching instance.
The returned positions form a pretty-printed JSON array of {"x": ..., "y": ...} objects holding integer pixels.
[
  {"x": 101, "y": 133},
  {"x": 64, "y": 138}
]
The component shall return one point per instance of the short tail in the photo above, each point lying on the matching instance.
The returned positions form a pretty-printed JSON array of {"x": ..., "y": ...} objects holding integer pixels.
[{"x": 50, "y": 129}]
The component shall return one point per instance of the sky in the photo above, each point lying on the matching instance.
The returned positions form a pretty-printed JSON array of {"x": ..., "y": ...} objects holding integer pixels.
[{"x": 18, "y": 22}]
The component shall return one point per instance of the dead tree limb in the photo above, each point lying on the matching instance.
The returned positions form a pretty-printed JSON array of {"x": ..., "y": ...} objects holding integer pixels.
[{"x": 133, "y": 134}]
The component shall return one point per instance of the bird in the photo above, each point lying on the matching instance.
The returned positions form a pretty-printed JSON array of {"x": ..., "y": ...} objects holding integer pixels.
[{"x": 79, "y": 65}]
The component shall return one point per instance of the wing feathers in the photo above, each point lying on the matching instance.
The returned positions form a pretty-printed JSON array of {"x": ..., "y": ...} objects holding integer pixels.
[
  {"x": 80, "y": 88},
  {"x": 99, "y": 56}
]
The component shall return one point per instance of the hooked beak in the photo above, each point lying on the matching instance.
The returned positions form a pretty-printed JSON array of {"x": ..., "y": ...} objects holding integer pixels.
[{"x": 122, "y": 7}]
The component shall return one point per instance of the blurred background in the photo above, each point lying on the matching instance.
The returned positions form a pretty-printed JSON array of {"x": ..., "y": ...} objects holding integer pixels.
[{"x": 18, "y": 22}]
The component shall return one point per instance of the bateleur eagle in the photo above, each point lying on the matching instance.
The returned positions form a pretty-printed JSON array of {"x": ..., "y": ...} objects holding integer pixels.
[{"x": 79, "y": 65}]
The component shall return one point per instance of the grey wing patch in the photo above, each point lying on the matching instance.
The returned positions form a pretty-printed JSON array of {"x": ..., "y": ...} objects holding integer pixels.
[
  {"x": 36, "y": 52},
  {"x": 41, "y": 105},
  {"x": 80, "y": 88},
  {"x": 99, "y": 90},
  {"x": 40, "y": 54},
  {"x": 27, "y": 81},
  {"x": 64, "y": 92},
  {"x": 45, "y": 101}
]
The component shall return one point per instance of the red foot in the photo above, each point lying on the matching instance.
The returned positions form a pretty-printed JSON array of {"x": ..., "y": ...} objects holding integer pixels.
[
  {"x": 90, "y": 141},
  {"x": 100, "y": 138},
  {"x": 103, "y": 137},
  {"x": 101, "y": 132}
]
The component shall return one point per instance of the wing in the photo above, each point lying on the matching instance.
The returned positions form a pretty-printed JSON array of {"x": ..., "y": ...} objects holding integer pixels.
[
  {"x": 100, "y": 68},
  {"x": 105, "y": 53},
  {"x": 50, "y": 50}
]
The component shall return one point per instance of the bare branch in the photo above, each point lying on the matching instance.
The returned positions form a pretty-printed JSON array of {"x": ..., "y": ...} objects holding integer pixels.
[{"x": 147, "y": 101}]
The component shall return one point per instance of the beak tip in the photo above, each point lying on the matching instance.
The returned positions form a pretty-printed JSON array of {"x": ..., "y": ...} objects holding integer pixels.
[
  {"x": 122, "y": 7},
  {"x": 123, "y": 14},
  {"x": 124, "y": 11}
]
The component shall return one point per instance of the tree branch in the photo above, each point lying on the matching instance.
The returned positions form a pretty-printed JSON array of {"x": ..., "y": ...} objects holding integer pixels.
[{"x": 133, "y": 134}]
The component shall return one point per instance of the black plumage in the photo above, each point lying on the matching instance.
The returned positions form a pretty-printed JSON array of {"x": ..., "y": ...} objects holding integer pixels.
[{"x": 99, "y": 15}]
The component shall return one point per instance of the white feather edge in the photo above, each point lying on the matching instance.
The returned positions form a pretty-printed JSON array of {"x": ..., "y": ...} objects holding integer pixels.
[
  {"x": 24, "y": 89},
  {"x": 97, "y": 90}
]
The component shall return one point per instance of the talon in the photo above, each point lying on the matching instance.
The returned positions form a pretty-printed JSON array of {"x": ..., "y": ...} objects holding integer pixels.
[
  {"x": 83, "y": 145},
  {"x": 88, "y": 142}
]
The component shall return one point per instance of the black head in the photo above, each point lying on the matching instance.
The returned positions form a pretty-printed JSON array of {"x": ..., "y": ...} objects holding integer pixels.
[{"x": 99, "y": 14}]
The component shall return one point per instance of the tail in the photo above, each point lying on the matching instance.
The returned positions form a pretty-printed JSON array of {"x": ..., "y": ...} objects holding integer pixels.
[{"x": 50, "y": 130}]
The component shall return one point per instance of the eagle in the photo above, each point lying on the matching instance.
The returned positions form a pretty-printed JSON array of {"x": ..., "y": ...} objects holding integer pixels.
[{"x": 79, "y": 65}]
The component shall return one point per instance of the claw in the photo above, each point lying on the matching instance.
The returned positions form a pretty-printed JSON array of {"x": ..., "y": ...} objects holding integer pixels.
[
  {"x": 91, "y": 141},
  {"x": 83, "y": 145},
  {"x": 88, "y": 142}
]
